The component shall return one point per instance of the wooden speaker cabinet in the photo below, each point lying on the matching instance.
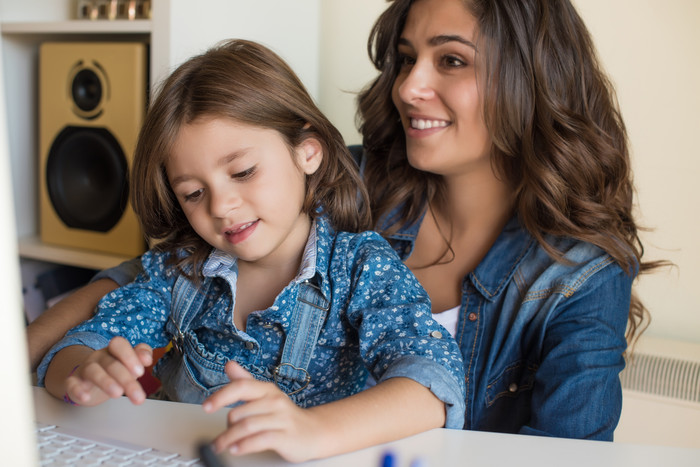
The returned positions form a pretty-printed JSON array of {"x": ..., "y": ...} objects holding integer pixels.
[{"x": 92, "y": 99}]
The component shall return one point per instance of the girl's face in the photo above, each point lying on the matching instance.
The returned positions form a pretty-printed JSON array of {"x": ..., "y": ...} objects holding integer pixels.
[
  {"x": 241, "y": 189},
  {"x": 436, "y": 90}
]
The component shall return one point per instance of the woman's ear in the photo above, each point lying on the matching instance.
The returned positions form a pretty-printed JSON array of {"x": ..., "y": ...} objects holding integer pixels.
[{"x": 309, "y": 155}]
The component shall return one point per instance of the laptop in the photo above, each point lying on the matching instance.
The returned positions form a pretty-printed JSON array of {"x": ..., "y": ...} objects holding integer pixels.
[
  {"x": 17, "y": 439},
  {"x": 22, "y": 440}
]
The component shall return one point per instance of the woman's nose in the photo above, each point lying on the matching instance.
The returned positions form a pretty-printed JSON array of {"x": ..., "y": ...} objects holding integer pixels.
[{"x": 418, "y": 84}]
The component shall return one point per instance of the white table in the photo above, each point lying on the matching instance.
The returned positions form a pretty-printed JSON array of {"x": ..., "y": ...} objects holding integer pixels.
[{"x": 180, "y": 427}]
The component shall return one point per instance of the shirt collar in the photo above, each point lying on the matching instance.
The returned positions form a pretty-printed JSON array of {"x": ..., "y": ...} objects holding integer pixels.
[{"x": 222, "y": 264}]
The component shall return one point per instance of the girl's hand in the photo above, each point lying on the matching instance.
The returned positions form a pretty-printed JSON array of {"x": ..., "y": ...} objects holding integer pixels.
[
  {"x": 110, "y": 373},
  {"x": 268, "y": 419}
]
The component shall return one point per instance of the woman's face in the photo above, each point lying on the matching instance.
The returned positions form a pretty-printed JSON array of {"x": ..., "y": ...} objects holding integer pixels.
[{"x": 436, "y": 90}]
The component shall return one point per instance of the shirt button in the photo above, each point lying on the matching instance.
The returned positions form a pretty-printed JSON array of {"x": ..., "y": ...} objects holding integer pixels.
[
  {"x": 471, "y": 316},
  {"x": 249, "y": 345},
  {"x": 512, "y": 387},
  {"x": 436, "y": 334}
]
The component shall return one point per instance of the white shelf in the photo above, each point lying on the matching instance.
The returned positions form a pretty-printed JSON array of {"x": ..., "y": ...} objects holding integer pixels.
[
  {"x": 143, "y": 26},
  {"x": 33, "y": 248}
]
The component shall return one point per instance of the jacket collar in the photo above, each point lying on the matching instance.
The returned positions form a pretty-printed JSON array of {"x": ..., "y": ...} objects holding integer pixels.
[{"x": 500, "y": 263}]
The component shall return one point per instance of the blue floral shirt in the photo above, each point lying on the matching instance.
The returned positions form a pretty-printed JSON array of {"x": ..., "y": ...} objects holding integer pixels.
[{"x": 379, "y": 321}]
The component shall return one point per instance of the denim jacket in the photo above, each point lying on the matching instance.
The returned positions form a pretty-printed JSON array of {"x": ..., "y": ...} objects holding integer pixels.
[
  {"x": 542, "y": 341},
  {"x": 353, "y": 308}
]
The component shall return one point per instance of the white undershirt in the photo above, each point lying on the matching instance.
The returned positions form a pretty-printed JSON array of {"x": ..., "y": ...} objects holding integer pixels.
[{"x": 448, "y": 319}]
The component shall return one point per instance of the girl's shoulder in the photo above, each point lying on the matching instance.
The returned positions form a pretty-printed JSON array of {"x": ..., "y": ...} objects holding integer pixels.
[{"x": 157, "y": 262}]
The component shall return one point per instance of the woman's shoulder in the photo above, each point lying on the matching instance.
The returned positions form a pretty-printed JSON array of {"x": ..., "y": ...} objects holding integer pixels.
[{"x": 582, "y": 264}]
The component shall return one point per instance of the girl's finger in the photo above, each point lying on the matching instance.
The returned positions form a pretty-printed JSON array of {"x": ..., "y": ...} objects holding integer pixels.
[
  {"x": 99, "y": 378},
  {"x": 277, "y": 404},
  {"x": 145, "y": 354},
  {"x": 242, "y": 390},
  {"x": 257, "y": 425},
  {"x": 122, "y": 350},
  {"x": 235, "y": 371}
]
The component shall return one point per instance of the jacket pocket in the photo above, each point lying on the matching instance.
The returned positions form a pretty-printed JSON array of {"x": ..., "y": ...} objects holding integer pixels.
[{"x": 511, "y": 382}]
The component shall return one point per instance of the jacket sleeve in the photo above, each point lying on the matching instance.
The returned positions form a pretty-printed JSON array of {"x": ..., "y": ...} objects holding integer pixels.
[
  {"x": 397, "y": 334},
  {"x": 138, "y": 312},
  {"x": 577, "y": 391},
  {"x": 122, "y": 274}
]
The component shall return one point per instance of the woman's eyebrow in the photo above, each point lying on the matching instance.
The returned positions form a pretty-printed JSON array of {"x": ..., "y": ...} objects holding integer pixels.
[
  {"x": 445, "y": 38},
  {"x": 442, "y": 39}
]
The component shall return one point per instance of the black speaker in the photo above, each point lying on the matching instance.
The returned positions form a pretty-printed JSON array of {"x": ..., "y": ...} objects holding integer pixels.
[{"x": 92, "y": 99}]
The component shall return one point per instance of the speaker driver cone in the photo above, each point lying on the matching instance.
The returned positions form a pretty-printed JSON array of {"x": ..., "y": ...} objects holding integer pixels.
[
  {"x": 87, "y": 179},
  {"x": 86, "y": 90}
]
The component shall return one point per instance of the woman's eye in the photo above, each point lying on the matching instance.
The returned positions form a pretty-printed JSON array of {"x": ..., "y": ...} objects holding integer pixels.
[
  {"x": 405, "y": 60},
  {"x": 451, "y": 61},
  {"x": 194, "y": 196},
  {"x": 244, "y": 175}
]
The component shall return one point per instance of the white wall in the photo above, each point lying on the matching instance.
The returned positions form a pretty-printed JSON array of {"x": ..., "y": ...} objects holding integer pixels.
[
  {"x": 651, "y": 49},
  {"x": 291, "y": 28},
  {"x": 345, "y": 65}
]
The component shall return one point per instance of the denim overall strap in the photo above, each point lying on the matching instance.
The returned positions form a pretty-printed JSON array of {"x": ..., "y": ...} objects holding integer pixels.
[
  {"x": 187, "y": 300},
  {"x": 306, "y": 323}
]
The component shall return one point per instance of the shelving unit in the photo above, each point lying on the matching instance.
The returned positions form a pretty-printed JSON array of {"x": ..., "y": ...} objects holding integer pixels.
[
  {"x": 177, "y": 29},
  {"x": 21, "y": 41}
]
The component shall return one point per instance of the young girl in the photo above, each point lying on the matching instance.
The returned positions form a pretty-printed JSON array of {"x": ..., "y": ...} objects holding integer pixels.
[{"x": 269, "y": 302}]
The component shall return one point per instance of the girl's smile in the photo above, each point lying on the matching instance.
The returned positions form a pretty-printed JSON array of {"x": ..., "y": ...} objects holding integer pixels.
[{"x": 242, "y": 188}]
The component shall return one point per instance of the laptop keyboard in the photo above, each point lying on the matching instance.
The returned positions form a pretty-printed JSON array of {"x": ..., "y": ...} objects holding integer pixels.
[{"x": 59, "y": 446}]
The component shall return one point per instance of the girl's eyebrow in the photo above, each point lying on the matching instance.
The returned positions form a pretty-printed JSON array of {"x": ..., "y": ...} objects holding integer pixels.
[
  {"x": 220, "y": 163},
  {"x": 442, "y": 39}
]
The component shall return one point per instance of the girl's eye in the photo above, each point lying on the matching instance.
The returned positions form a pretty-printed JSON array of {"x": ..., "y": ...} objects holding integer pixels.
[
  {"x": 194, "y": 196},
  {"x": 245, "y": 175}
]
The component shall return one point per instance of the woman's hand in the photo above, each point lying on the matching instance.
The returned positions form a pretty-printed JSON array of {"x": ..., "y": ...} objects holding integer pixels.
[
  {"x": 267, "y": 420},
  {"x": 110, "y": 373}
]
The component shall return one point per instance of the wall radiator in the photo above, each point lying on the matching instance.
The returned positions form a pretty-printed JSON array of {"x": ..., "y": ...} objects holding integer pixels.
[
  {"x": 661, "y": 394},
  {"x": 663, "y": 376}
]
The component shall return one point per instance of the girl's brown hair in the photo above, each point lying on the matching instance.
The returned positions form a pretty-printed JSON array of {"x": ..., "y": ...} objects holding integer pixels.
[
  {"x": 557, "y": 133},
  {"x": 246, "y": 82}
]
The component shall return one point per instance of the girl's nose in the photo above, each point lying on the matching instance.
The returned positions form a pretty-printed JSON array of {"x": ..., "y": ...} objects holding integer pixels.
[
  {"x": 223, "y": 201},
  {"x": 418, "y": 84}
]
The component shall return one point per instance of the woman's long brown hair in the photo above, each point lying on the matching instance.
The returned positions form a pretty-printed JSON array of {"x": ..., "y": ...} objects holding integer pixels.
[
  {"x": 557, "y": 133},
  {"x": 248, "y": 83}
]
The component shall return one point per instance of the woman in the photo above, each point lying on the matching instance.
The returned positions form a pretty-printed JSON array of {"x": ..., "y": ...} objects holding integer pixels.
[{"x": 497, "y": 164}]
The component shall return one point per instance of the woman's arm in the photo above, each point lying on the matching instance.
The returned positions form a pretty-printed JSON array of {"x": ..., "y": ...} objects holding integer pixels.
[
  {"x": 577, "y": 391},
  {"x": 52, "y": 325}
]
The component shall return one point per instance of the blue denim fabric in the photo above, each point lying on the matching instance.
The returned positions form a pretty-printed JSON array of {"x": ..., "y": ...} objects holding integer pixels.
[
  {"x": 542, "y": 341},
  {"x": 378, "y": 321}
]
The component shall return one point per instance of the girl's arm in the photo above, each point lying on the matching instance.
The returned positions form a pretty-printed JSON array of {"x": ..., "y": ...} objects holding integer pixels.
[
  {"x": 270, "y": 420},
  {"x": 52, "y": 325}
]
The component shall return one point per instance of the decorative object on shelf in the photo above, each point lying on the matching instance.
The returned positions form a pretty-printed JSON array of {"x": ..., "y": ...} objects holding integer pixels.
[
  {"x": 92, "y": 98},
  {"x": 113, "y": 9}
]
